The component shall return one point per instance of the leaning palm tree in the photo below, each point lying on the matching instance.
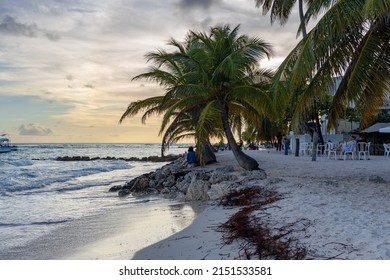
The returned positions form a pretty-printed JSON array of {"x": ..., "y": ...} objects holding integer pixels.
[
  {"x": 210, "y": 78},
  {"x": 350, "y": 40},
  {"x": 173, "y": 72},
  {"x": 230, "y": 79}
]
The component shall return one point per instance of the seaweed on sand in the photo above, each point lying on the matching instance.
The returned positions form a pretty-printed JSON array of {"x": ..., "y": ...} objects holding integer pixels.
[{"x": 256, "y": 237}]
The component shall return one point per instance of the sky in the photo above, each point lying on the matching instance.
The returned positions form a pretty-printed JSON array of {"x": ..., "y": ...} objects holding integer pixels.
[{"x": 66, "y": 65}]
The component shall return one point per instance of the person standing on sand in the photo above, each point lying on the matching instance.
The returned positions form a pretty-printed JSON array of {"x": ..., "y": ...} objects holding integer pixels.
[{"x": 279, "y": 144}]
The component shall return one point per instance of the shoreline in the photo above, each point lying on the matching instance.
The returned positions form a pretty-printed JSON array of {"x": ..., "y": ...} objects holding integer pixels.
[
  {"x": 115, "y": 235},
  {"x": 344, "y": 203}
]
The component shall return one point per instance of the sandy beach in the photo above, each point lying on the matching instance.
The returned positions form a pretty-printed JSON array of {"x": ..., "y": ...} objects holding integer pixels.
[
  {"x": 114, "y": 235},
  {"x": 345, "y": 204}
]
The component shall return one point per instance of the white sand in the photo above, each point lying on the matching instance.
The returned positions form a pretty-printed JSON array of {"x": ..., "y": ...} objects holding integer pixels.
[
  {"x": 349, "y": 216},
  {"x": 348, "y": 210}
]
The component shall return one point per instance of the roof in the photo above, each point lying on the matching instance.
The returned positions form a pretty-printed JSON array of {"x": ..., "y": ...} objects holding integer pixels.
[
  {"x": 375, "y": 127},
  {"x": 385, "y": 129}
]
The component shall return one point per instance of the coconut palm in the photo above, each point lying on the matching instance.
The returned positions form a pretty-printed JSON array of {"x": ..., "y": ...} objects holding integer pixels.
[
  {"x": 350, "y": 40},
  {"x": 233, "y": 85},
  {"x": 177, "y": 72},
  {"x": 177, "y": 124},
  {"x": 281, "y": 10},
  {"x": 212, "y": 78},
  {"x": 181, "y": 126}
]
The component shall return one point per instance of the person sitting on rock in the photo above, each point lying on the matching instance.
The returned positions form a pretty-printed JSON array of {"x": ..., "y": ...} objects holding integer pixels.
[{"x": 191, "y": 157}]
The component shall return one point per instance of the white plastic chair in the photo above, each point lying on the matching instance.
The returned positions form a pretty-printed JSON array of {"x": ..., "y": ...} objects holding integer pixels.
[
  {"x": 328, "y": 147},
  {"x": 309, "y": 148},
  {"x": 387, "y": 149},
  {"x": 303, "y": 148},
  {"x": 364, "y": 150},
  {"x": 321, "y": 150},
  {"x": 330, "y": 150},
  {"x": 352, "y": 153}
]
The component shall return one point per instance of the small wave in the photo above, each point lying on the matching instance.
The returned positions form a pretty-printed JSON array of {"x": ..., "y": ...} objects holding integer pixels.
[
  {"x": 19, "y": 162},
  {"x": 33, "y": 223}
]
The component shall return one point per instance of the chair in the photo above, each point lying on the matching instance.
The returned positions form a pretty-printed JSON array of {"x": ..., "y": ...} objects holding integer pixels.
[
  {"x": 387, "y": 149},
  {"x": 329, "y": 150},
  {"x": 320, "y": 149},
  {"x": 353, "y": 153},
  {"x": 303, "y": 148},
  {"x": 363, "y": 149},
  {"x": 328, "y": 147},
  {"x": 310, "y": 148}
]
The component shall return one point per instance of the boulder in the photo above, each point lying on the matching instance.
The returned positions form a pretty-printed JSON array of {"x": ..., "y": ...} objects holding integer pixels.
[
  {"x": 219, "y": 176},
  {"x": 219, "y": 190},
  {"x": 255, "y": 175},
  {"x": 197, "y": 190},
  {"x": 140, "y": 185}
]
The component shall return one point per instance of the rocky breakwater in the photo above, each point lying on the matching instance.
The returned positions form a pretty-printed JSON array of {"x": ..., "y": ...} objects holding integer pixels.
[
  {"x": 189, "y": 184},
  {"x": 150, "y": 158}
]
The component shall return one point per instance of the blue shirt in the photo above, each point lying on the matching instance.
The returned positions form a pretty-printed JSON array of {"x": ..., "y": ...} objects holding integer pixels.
[{"x": 191, "y": 157}]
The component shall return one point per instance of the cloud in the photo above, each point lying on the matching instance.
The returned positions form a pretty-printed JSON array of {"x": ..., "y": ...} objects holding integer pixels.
[
  {"x": 9, "y": 26},
  {"x": 205, "y": 4},
  {"x": 34, "y": 129}
]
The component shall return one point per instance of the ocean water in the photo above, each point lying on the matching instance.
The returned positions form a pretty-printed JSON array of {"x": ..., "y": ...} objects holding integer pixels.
[{"x": 38, "y": 194}]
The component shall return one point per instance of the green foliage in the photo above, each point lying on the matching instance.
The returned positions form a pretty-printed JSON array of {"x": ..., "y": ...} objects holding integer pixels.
[
  {"x": 350, "y": 40},
  {"x": 207, "y": 77},
  {"x": 383, "y": 116}
]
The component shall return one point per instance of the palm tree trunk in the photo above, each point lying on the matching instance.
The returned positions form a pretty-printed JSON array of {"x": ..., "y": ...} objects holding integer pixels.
[
  {"x": 301, "y": 17},
  {"x": 243, "y": 159},
  {"x": 208, "y": 155}
]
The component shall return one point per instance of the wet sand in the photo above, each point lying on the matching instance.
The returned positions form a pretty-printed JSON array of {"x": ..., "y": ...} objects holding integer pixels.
[{"x": 115, "y": 235}]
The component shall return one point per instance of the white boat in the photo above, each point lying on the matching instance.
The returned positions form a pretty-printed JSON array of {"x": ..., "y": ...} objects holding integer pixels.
[{"x": 5, "y": 145}]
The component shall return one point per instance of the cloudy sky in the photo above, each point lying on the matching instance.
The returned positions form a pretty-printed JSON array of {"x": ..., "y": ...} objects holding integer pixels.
[{"x": 66, "y": 65}]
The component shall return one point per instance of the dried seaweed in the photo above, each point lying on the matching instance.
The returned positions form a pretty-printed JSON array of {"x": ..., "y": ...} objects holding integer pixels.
[{"x": 256, "y": 237}]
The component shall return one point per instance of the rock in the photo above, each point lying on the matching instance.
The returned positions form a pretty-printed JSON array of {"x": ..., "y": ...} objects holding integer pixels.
[
  {"x": 219, "y": 190},
  {"x": 182, "y": 183},
  {"x": 123, "y": 192},
  {"x": 225, "y": 169},
  {"x": 218, "y": 176},
  {"x": 197, "y": 190},
  {"x": 255, "y": 175},
  {"x": 150, "y": 158},
  {"x": 115, "y": 188},
  {"x": 140, "y": 185},
  {"x": 169, "y": 181},
  {"x": 179, "y": 196},
  {"x": 173, "y": 181}
]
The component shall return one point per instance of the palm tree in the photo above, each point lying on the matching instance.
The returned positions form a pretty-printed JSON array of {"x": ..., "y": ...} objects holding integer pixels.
[
  {"x": 177, "y": 124},
  {"x": 212, "y": 78},
  {"x": 350, "y": 40},
  {"x": 231, "y": 82},
  {"x": 181, "y": 126},
  {"x": 281, "y": 10}
]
